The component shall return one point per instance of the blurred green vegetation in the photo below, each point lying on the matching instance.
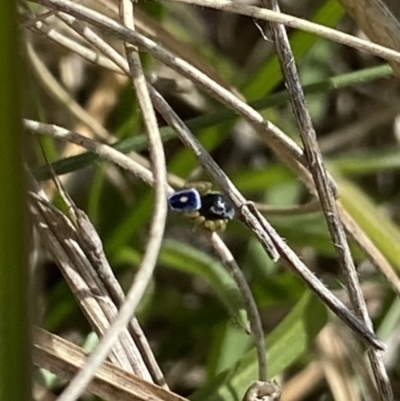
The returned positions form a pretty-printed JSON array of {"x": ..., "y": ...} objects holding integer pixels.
[{"x": 193, "y": 312}]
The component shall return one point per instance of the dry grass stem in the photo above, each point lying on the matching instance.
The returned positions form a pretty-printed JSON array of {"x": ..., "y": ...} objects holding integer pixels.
[
  {"x": 270, "y": 240},
  {"x": 68, "y": 248},
  {"x": 53, "y": 87},
  {"x": 326, "y": 195},
  {"x": 251, "y": 306},
  {"x": 301, "y": 24},
  {"x": 335, "y": 367},
  {"x": 301, "y": 385},
  {"x": 145, "y": 272},
  {"x": 218, "y": 244},
  {"x": 77, "y": 248},
  {"x": 110, "y": 382},
  {"x": 102, "y": 150}
]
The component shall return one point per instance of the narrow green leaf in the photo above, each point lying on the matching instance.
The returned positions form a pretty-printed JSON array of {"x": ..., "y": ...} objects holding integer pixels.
[
  {"x": 15, "y": 339},
  {"x": 189, "y": 260},
  {"x": 379, "y": 228},
  {"x": 285, "y": 345},
  {"x": 179, "y": 256},
  {"x": 269, "y": 76},
  {"x": 95, "y": 192},
  {"x": 366, "y": 161},
  {"x": 130, "y": 225},
  {"x": 140, "y": 143},
  {"x": 229, "y": 346}
]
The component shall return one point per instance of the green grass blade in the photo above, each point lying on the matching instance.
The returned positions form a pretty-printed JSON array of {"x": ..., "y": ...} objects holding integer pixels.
[
  {"x": 140, "y": 143},
  {"x": 189, "y": 260},
  {"x": 269, "y": 76},
  {"x": 368, "y": 161},
  {"x": 179, "y": 256},
  {"x": 379, "y": 228},
  {"x": 229, "y": 346},
  {"x": 285, "y": 345},
  {"x": 15, "y": 363}
]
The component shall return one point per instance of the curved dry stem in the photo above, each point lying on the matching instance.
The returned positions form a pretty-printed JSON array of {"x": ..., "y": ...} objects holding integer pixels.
[
  {"x": 269, "y": 239},
  {"x": 218, "y": 244},
  {"x": 103, "y": 151},
  {"x": 125, "y": 162},
  {"x": 282, "y": 144},
  {"x": 255, "y": 320},
  {"x": 79, "y": 383},
  {"x": 279, "y": 142},
  {"x": 312, "y": 206},
  {"x": 53, "y": 87}
]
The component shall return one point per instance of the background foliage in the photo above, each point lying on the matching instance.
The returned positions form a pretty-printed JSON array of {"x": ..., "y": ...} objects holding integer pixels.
[{"x": 192, "y": 313}]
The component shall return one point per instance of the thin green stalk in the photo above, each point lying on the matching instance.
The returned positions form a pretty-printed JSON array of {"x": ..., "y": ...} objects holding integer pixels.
[
  {"x": 15, "y": 368},
  {"x": 139, "y": 143}
]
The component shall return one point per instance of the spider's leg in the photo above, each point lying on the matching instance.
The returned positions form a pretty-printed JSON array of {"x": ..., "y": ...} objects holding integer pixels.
[
  {"x": 220, "y": 225},
  {"x": 198, "y": 222},
  {"x": 192, "y": 215},
  {"x": 217, "y": 225},
  {"x": 209, "y": 225},
  {"x": 203, "y": 187}
]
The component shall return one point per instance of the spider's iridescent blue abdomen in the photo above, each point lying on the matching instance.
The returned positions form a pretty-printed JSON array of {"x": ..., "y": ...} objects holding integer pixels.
[{"x": 185, "y": 201}]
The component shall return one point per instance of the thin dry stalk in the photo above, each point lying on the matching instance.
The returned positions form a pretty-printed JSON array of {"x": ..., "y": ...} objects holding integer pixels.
[
  {"x": 271, "y": 241},
  {"x": 158, "y": 165},
  {"x": 336, "y": 367},
  {"x": 219, "y": 246},
  {"x": 301, "y": 24},
  {"x": 255, "y": 320},
  {"x": 145, "y": 272},
  {"x": 65, "y": 244},
  {"x": 325, "y": 192},
  {"x": 301, "y": 385},
  {"x": 286, "y": 148},
  {"x": 57, "y": 92},
  {"x": 110, "y": 382}
]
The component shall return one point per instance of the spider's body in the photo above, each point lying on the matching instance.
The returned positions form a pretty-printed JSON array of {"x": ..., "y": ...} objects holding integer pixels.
[
  {"x": 185, "y": 201},
  {"x": 215, "y": 207},
  {"x": 208, "y": 209}
]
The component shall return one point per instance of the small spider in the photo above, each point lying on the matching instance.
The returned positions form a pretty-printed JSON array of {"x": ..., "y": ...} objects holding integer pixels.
[{"x": 208, "y": 209}]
